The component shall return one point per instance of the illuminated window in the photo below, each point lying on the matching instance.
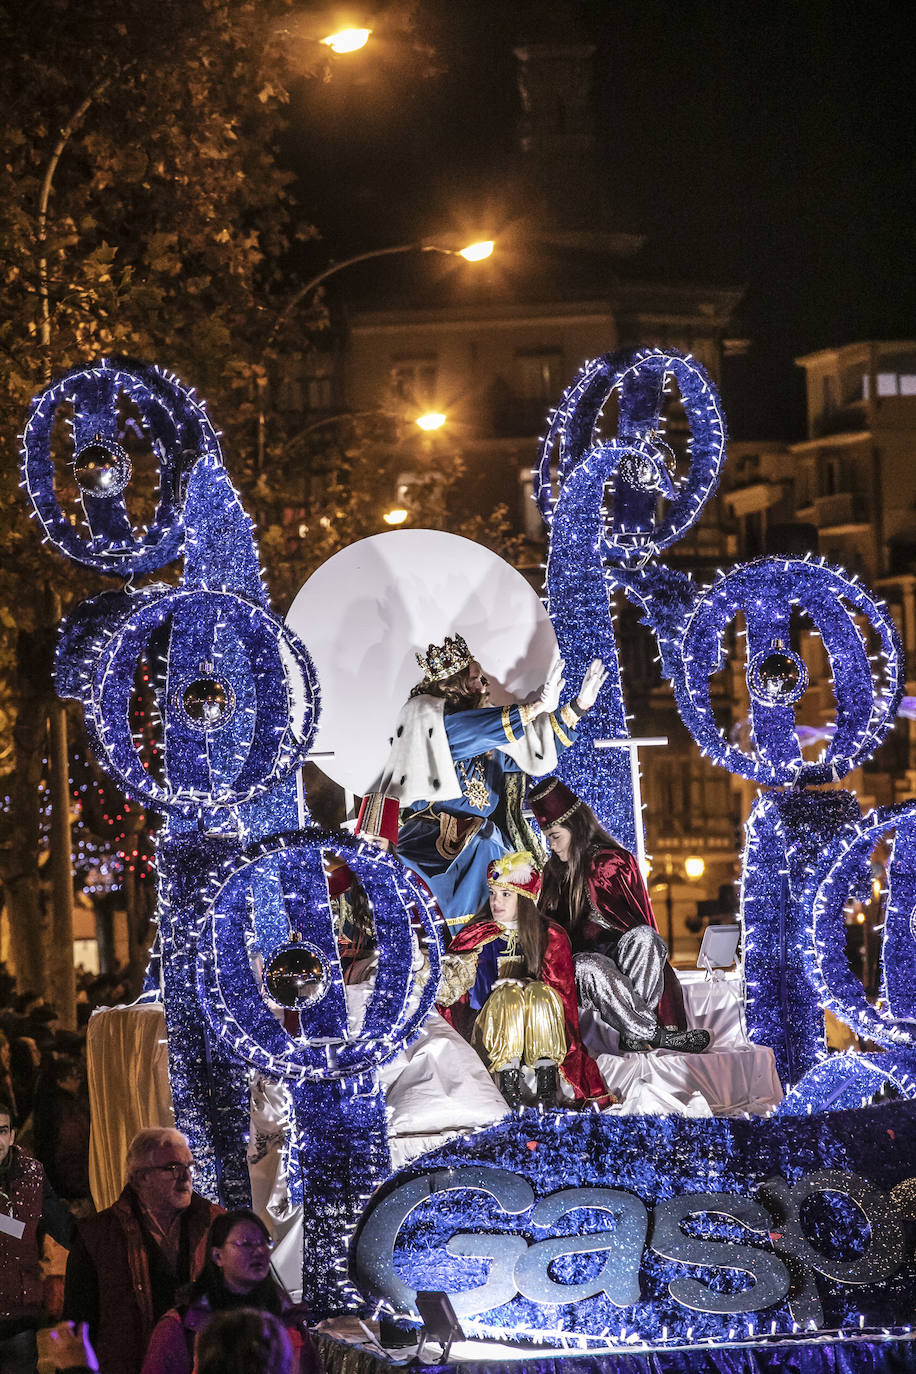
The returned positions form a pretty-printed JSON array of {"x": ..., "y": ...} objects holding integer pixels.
[{"x": 414, "y": 379}]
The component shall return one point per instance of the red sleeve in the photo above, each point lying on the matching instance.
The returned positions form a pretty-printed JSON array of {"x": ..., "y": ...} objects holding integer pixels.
[
  {"x": 167, "y": 1352},
  {"x": 619, "y": 891},
  {"x": 558, "y": 970},
  {"x": 472, "y": 936}
]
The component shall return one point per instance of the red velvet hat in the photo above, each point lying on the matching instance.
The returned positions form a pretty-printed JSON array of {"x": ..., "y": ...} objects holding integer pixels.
[
  {"x": 378, "y": 816},
  {"x": 518, "y": 872},
  {"x": 552, "y": 802}
]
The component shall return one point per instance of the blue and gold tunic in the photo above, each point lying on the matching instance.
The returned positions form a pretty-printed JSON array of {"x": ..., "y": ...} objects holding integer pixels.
[{"x": 452, "y": 842}]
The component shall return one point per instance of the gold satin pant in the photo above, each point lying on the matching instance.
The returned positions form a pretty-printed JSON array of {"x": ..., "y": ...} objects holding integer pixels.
[{"x": 518, "y": 1024}]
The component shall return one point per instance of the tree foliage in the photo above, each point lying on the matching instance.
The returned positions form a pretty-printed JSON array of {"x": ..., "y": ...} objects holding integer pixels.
[
  {"x": 145, "y": 212},
  {"x": 151, "y": 133}
]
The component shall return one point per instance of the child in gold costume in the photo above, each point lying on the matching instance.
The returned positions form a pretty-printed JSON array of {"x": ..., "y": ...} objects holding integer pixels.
[{"x": 508, "y": 986}]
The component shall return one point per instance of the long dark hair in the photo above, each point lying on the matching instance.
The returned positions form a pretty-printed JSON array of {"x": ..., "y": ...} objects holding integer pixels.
[
  {"x": 210, "y": 1283},
  {"x": 565, "y": 891},
  {"x": 456, "y": 691},
  {"x": 532, "y": 932}
]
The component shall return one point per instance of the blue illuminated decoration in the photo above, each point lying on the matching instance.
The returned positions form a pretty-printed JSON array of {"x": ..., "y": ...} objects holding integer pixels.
[
  {"x": 585, "y": 1231},
  {"x": 612, "y": 505},
  {"x": 232, "y": 1000},
  {"x": 765, "y": 593},
  {"x": 849, "y": 1080},
  {"x": 639, "y": 382},
  {"x": 850, "y": 875},
  {"x": 790, "y": 841},
  {"x": 582, "y": 1231},
  {"x": 236, "y": 696},
  {"x": 607, "y": 512},
  {"x": 179, "y": 430}
]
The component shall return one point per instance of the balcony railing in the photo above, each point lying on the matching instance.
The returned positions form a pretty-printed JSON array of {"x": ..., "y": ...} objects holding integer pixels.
[{"x": 843, "y": 508}]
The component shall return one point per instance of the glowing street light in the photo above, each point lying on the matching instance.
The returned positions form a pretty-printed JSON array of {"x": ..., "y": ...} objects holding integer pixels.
[
  {"x": 397, "y": 516},
  {"x": 433, "y": 419},
  {"x": 347, "y": 40},
  {"x": 476, "y": 252},
  {"x": 694, "y": 866}
]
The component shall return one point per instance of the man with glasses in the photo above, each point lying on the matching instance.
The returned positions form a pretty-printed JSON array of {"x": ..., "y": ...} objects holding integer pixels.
[{"x": 128, "y": 1262}]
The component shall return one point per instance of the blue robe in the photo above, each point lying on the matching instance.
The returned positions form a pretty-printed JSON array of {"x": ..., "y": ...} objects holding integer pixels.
[{"x": 455, "y": 867}]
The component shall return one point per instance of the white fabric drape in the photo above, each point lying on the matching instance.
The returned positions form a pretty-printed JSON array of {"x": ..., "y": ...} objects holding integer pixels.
[
  {"x": 732, "y": 1077},
  {"x": 420, "y": 764}
]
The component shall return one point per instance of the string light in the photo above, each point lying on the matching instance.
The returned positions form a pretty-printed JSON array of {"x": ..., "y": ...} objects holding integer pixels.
[{"x": 233, "y": 696}]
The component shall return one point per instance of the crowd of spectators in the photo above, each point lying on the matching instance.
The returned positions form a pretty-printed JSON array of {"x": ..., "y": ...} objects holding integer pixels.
[
  {"x": 137, "y": 1283},
  {"x": 43, "y": 1078},
  {"x": 43, "y": 1085}
]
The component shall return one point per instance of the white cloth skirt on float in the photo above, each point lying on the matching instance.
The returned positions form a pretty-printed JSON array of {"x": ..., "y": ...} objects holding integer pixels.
[{"x": 732, "y": 1078}]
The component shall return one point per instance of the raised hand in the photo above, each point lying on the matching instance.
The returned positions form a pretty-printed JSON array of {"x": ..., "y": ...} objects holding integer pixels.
[
  {"x": 550, "y": 692},
  {"x": 594, "y": 679}
]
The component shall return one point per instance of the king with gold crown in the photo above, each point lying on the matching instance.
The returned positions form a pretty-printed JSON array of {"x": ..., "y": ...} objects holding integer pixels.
[{"x": 457, "y": 767}]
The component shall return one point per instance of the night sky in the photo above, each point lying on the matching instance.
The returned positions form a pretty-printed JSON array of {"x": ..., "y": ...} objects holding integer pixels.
[{"x": 769, "y": 147}]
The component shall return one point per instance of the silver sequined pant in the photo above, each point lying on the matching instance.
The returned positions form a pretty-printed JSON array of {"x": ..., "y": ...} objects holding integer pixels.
[{"x": 625, "y": 990}]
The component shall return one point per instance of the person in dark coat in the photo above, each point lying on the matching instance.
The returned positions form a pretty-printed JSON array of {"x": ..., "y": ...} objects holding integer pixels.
[
  {"x": 593, "y": 887},
  {"x": 128, "y": 1262},
  {"x": 28, "y": 1207},
  {"x": 60, "y": 1128}
]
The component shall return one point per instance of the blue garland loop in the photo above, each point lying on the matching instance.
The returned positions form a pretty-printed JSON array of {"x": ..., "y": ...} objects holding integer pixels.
[
  {"x": 766, "y": 591},
  {"x": 227, "y": 990},
  {"x": 179, "y": 430}
]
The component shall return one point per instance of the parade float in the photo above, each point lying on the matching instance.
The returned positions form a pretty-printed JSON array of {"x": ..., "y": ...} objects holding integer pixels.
[{"x": 644, "y": 1239}]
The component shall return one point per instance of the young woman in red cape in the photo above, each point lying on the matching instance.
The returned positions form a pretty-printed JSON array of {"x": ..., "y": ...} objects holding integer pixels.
[
  {"x": 594, "y": 888},
  {"x": 508, "y": 986}
]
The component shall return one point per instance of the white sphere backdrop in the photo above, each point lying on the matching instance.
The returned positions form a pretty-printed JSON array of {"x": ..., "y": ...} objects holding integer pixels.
[{"x": 370, "y": 609}]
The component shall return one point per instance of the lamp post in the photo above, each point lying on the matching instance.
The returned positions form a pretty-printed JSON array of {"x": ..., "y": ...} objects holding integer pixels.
[
  {"x": 61, "y": 836},
  {"x": 693, "y": 869},
  {"x": 347, "y": 40},
  {"x": 473, "y": 252}
]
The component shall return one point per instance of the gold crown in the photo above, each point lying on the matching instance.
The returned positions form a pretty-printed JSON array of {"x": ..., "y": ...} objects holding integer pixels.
[{"x": 442, "y": 660}]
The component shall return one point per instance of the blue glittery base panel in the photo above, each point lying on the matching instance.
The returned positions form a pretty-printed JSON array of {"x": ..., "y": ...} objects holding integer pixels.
[{"x": 655, "y": 1159}]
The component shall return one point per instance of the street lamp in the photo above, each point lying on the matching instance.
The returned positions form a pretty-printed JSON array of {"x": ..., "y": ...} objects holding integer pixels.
[
  {"x": 694, "y": 868},
  {"x": 433, "y": 419},
  {"x": 396, "y": 516},
  {"x": 476, "y": 252},
  {"x": 347, "y": 40},
  {"x": 472, "y": 252}
]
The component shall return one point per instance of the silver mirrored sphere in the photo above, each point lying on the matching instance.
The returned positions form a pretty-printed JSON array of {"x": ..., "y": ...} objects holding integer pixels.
[
  {"x": 295, "y": 976},
  {"x": 777, "y": 676},
  {"x": 101, "y": 470},
  {"x": 206, "y": 702}
]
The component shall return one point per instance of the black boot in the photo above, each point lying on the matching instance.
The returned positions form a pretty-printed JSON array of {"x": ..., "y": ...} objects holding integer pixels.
[
  {"x": 545, "y": 1076},
  {"x": 684, "y": 1041},
  {"x": 509, "y": 1082}
]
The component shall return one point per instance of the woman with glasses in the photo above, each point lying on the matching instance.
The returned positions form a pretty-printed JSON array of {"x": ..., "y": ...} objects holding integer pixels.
[{"x": 236, "y": 1274}]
